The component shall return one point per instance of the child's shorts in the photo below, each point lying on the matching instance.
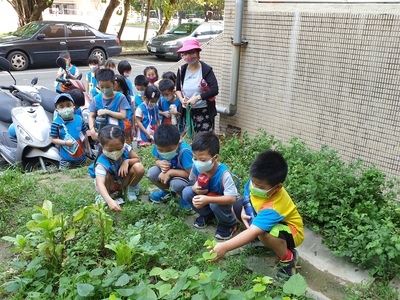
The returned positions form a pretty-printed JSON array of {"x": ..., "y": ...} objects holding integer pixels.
[{"x": 279, "y": 230}]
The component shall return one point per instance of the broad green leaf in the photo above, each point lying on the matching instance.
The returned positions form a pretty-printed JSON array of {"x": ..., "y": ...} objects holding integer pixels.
[
  {"x": 123, "y": 280},
  {"x": 164, "y": 290},
  {"x": 84, "y": 289},
  {"x": 9, "y": 239},
  {"x": 134, "y": 241},
  {"x": 258, "y": 288},
  {"x": 48, "y": 206},
  {"x": 38, "y": 217},
  {"x": 70, "y": 234},
  {"x": 34, "y": 264},
  {"x": 125, "y": 292},
  {"x": 32, "y": 226},
  {"x": 79, "y": 215},
  {"x": 191, "y": 271},
  {"x": 267, "y": 280},
  {"x": 296, "y": 285},
  {"x": 96, "y": 272},
  {"x": 13, "y": 286},
  {"x": 155, "y": 271},
  {"x": 209, "y": 256},
  {"x": 168, "y": 274}
]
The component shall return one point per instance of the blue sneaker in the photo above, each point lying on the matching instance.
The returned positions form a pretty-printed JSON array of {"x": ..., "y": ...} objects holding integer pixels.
[
  {"x": 225, "y": 232},
  {"x": 131, "y": 193},
  {"x": 159, "y": 196},
  {"x": 183, "y": 203},
  {"x": 202, "y": 221}
]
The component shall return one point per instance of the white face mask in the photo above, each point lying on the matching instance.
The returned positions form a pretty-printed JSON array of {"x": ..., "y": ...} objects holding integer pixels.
[
  {"x": 168, "y": 155},
  {"x": 151, "y": 105},
  {"x": 203, "y": 166},
  {"x": 114, "y": 155},
  {"x": 66, "y": 113}
]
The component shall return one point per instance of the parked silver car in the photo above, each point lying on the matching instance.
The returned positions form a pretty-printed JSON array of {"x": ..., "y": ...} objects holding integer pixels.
[{"x": 167, "y": 44}]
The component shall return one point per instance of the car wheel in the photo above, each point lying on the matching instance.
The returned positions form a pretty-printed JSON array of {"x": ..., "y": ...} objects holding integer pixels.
[
  {"x": 100, "y": 54},
  {"x": 160, "y": 56},
  {"x": 18, "y": 61}
]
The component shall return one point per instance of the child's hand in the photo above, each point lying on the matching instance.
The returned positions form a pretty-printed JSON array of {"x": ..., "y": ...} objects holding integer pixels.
[
  {"x": 199, "y": 190},
  {"x": 123, "y": 169},
  {"x": 245, "y": 218},
  {"x": 200, "y": 201},
  {"x": 167, "y": 114},
  {"x": 69, "y": 143},
  {"x": 164, "y": 178},
  {"x": 219, "y": 248},
  {"x": 114, "y": 206},
  {"x": 102, "y": 112},
  {"x": 165, "y": 165}
]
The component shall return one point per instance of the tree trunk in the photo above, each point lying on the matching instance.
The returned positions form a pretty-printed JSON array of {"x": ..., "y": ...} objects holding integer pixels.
[
  {"x": 127, "y": 6},
  {"x": 107, "y": 15},
  {"x": 29, "y": 11},
  {"x": 164, "y": 26},
  {"x": 146, "y": 26}
]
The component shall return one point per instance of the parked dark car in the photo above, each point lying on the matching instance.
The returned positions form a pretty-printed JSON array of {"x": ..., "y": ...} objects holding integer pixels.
[
  {"x": 167, "y": 44},
  {"x": 42, "y": 41}
]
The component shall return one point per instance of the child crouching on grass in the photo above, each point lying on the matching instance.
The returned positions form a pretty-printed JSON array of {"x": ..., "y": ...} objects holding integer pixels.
[
  {"x": 277, "y": 223},
  {"x": 116, "y": 169}
]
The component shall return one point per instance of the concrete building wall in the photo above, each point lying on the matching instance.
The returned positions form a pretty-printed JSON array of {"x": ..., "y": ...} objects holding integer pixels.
[{"x": 328, "y": 74}]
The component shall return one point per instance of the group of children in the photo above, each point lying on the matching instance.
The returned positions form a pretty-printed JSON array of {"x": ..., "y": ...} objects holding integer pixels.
[{"x": 192, "y": 173}]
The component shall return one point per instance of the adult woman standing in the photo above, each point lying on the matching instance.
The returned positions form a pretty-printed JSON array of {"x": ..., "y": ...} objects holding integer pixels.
[{"x": 197, "y": 85}]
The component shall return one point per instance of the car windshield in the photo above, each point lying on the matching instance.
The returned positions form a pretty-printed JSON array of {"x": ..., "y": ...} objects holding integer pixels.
[
  {"x": 28, "y": 30},
  {"x": 184, "y": 29}
]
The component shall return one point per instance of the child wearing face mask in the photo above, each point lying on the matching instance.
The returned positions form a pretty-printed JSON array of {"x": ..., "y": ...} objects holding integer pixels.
[
  {"x": 108, "y": 107},
  {"x": 173, "y": 164},
  {"x": 121, "y": 86},
  {"x": 169, "y": 104},
  {"x": 151, "y": 74},
  {"x": 93, "y": 63},
  {"x": 212, "y": 191},
  {"x": 141, "y": 84},
  {"x": 68, "y": 130},
  {"x": 277, "y": 223},
  {"x": 116, "y": 170},
  {"x": 125, "y": 69},
  {"x": 146, "y": 116},
  {"x": 70, "y": 72}
]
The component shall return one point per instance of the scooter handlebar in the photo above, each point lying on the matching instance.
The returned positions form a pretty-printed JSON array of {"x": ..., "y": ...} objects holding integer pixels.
[{"x": 8, "y": 88}]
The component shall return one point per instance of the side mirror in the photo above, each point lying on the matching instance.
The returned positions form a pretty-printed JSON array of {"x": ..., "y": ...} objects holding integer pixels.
[
  {"x": 41, "y": 36},
  {"x": 196, "y": 34},
  {"x": 34, "y": 81},
  {"x": 61, "y": 63},
  {"x": 5, "y": 64}
]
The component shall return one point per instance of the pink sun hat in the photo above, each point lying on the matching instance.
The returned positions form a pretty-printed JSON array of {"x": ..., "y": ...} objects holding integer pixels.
[{"x": 188, "y": 45}]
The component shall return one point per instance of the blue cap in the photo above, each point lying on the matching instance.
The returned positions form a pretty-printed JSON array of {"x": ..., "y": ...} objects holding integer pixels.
[{"x": 61, "y": 97}]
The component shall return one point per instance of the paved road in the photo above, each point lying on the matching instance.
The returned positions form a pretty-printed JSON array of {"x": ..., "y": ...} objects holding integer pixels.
[{"x": 46, "y": 75}]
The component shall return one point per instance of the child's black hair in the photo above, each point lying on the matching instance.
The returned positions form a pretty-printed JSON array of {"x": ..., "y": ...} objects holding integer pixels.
[
  {"x": 124, "y": 66},
  {"x": 111, "y": 132},
  {"x": 65, "y": 54},
  {"x": 122, "y": 82},
  {"x": 166, "y": 85},
  {"x": 269, "y": 166},
  {"x": 206, "y": 141},
  {"x": 93, "y": 60},
  {"x": 152, "y": 92},
  {"x": 105, "y": 75},
  {"x": 141, "y": 80},
  {"x": 169, "y": 75},
  {"x": 109, "y": 64},
  {"x": 166, "y": 135},
  {"x": 78, "y": 96},
  {"x": 150, "y": 68}
]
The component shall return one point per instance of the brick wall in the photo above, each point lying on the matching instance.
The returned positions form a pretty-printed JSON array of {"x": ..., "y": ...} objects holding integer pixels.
[{"x": 328, "y": 74}]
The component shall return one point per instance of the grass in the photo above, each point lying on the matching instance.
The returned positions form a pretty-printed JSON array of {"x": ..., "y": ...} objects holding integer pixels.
[{"x": 167, "y": 239}]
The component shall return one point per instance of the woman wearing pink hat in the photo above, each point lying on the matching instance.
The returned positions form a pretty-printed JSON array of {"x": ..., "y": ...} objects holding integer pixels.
[{"x": 197, "y": 85}]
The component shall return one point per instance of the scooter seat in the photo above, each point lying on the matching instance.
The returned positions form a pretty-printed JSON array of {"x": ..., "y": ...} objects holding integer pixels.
[
  {"x": 7, "y": 103},
  {"x": 47, "y": 99}
]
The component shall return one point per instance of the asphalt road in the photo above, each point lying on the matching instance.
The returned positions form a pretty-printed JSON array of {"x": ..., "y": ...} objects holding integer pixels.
[{"x": 47, "y": 75}]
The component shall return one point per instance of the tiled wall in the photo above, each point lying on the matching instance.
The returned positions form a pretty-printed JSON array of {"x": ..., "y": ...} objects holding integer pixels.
[{"x": 328, "y": 75}]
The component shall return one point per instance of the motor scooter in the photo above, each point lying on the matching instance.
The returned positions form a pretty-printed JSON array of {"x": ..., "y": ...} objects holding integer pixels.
[{"x": 31, "y": 147}]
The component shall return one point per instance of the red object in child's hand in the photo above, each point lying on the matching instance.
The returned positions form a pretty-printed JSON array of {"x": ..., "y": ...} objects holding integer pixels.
[{"x": 203, "y": 180}]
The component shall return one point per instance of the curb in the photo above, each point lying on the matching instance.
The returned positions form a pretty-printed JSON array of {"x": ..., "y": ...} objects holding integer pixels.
[{"x": 134, "y": 53}]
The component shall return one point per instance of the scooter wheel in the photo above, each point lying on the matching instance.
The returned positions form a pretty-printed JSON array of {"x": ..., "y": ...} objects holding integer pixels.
[{"x": 34, "y": 165}]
